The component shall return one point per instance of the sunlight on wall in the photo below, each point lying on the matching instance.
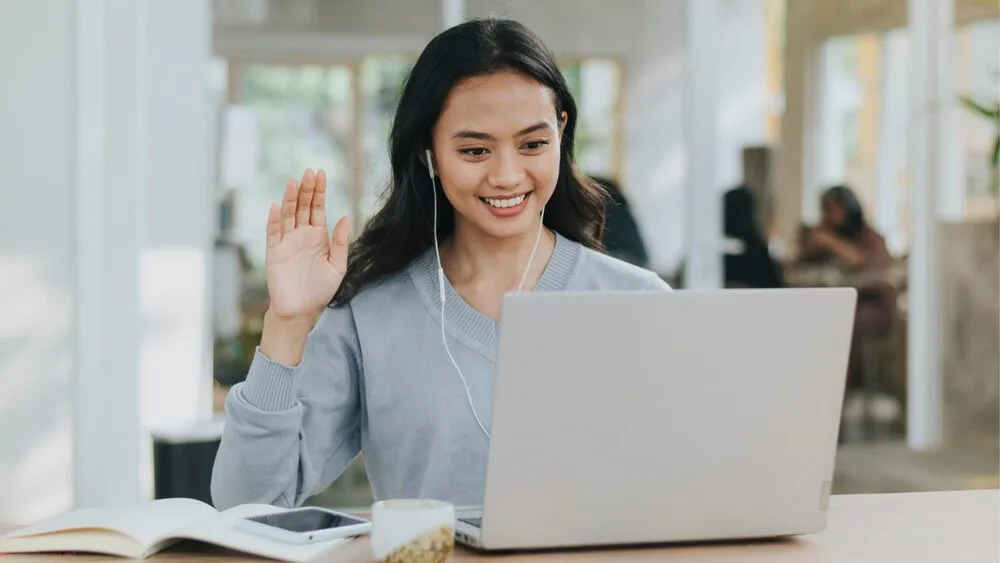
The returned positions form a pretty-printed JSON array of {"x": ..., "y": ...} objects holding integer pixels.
[
  {"x": 656, "y": 159},
  {"x": 655, "y": 168},
  {"x": 741, "y": 115},
  {"x": 36, "y": 389},
  {"x": 175, "y": 385}
]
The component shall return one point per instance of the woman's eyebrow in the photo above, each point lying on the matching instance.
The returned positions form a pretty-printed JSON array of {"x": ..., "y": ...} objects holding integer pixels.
[{"x": 469, "y": 134}]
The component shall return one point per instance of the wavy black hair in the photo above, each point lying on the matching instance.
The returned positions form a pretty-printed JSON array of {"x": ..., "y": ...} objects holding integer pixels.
[
  {"x": 854, "y": 214},
  {"x": 402, "y": 228}
]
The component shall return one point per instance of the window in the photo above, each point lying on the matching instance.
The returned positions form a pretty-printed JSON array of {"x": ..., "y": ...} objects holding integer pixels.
[
  {"x": 850, "y": 113},
  {"x": 304, "y": 121},
  {"x": 596, "y": 86},
  {"x": 382, "y": 79},
  {"x": 774, "y": 47},
  {"x": 865, "y": 116},
  {"x": 977, "y": 75}
]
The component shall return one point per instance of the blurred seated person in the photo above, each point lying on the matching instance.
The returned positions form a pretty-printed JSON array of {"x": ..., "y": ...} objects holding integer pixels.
[
  {"x": 843, "y": 237},
  {"x": 622, "y": 238},
  {"x": 845, "y": 240},
  {"x": 749, "y": 264}
]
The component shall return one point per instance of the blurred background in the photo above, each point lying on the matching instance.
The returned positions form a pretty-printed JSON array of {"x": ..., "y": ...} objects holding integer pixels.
[{"x": 142, "y": 141}]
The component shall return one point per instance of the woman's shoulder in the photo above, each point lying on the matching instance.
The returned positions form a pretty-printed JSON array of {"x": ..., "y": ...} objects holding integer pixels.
[
  {"x": 599, "y": 271},
  {"x": 871, "y": 236},
  {"x": 388, "y": 289},
  {"x": 383, "y": 310},
  {"x": 396, "y": 289}
]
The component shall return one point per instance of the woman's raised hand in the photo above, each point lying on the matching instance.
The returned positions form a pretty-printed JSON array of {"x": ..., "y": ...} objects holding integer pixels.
[{"x": 304, "y": 266}]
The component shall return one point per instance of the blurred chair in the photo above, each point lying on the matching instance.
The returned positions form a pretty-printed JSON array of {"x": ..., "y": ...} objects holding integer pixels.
[
  {"x": 876, "y": 393},
  {"x": 880, "y": 354}
]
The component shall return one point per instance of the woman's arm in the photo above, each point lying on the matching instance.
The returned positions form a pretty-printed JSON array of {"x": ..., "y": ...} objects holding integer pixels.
[
  {"x": 846, "y": 251},
  {"x": 867, "y": 251},
  {"x": 809, "y": 248},
  {"x": 292, "y": 429}
]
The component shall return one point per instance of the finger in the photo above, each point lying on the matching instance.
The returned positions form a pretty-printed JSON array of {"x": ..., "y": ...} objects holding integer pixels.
[
  {"x": 306, "y": 188},
  {"x": 317, "y": 216},
  {"x": 273, "y": 226},
  {"x": 288, "y": 207},
  {"x": 338, "y": 244}
]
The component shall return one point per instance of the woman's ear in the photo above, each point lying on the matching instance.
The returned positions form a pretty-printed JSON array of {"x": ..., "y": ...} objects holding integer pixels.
[{"x": 563, "y": 118}]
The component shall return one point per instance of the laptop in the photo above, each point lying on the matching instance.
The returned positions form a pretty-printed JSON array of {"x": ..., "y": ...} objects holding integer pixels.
[{"x": 646, "y": 417}]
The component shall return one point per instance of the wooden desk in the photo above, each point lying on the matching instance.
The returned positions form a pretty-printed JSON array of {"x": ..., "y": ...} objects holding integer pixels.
[
  {"x": 957, "y": 527},
  {"x": 821, "y": 275}
]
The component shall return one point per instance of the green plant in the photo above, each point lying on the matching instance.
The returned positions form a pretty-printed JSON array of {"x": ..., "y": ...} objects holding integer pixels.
[{"x": 991, "y": 113}]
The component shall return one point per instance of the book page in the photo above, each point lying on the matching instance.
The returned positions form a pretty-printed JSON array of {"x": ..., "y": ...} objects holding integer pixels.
[
  {"x": 144, "y": 521},
  {"x": 85, "y": 540},
  {"x": 221, "y": 530}
]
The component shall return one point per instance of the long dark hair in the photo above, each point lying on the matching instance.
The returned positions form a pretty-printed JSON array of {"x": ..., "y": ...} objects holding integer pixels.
[
  {"x": 854, "y": 215},
  {"x": 402, "y": 228}
]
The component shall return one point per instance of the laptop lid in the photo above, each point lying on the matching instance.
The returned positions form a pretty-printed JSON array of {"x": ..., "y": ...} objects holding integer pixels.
[{"x": 647, "y": 417}]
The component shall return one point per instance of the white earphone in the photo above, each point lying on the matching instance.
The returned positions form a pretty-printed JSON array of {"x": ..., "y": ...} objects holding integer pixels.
[{"x": 441, "y": 289}]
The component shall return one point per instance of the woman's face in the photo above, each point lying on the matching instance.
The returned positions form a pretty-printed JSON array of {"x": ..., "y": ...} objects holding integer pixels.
[
  {"x": 497, "y": 151},
  {"x": 834, "y": 214}
]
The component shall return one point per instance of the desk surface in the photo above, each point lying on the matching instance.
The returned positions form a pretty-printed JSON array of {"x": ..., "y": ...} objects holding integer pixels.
[{"x": 905, "y": 528}]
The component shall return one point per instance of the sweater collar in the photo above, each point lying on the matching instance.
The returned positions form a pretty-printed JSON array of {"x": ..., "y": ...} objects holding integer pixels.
[{"x": 469, "y": 325}]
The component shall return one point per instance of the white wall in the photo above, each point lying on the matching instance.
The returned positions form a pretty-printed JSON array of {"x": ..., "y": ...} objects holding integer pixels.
[
  {"x": 180, "y": 199},
  {"x": 36, "y": 260},
  {"x": 378, "y": 17},
  {"x": 69, "y": 351}
]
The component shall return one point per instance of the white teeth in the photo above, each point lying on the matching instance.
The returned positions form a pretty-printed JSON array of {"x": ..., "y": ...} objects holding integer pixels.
[{"x": 502, "y": 203}]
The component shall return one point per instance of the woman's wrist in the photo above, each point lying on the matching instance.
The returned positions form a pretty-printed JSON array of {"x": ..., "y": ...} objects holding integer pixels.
[{"x": 283, "y": 339}]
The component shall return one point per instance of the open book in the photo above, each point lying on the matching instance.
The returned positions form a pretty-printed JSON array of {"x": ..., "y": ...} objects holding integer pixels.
[{"x": 142, "y": 529}]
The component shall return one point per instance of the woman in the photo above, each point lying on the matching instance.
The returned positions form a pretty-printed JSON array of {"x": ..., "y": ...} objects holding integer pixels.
[
  {"x": 846, "y": 238},
  {"x": 359, "y": 352},
  {"x": 844, "y": 235}
]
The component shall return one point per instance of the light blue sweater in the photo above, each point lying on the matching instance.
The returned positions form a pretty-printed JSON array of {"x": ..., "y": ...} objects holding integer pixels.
[{"x": 376, "y": 379}]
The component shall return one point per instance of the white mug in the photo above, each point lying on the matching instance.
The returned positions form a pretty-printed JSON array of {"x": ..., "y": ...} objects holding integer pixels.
[{"x": 413, "y": 530}]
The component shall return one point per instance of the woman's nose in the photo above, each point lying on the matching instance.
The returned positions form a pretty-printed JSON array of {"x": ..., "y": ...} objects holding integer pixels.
[{"x": 507, "y": 171}]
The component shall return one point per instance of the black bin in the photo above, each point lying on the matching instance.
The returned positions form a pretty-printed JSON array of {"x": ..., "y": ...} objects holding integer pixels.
[{"x": 182, "y": 460}]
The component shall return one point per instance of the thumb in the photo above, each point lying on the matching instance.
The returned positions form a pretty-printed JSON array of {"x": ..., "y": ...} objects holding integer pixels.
[{"x": 339, "y": 242}]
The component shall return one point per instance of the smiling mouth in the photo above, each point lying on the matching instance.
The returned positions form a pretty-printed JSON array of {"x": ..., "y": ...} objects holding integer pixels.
[{"x": 504, "y": 203}]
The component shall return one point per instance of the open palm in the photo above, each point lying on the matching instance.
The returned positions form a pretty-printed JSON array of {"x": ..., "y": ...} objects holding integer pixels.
[{"x": 304, "y": 266}]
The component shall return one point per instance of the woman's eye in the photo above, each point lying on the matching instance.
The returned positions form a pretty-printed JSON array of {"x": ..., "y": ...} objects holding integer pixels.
[
  {"x": 478, "y": 151},
  {"x": 535, "y": 145}
]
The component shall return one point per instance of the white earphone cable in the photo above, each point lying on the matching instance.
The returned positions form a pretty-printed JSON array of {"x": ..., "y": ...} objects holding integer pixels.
[
  {"x": 531, "y": 257},
  {"x": 441, "y": 287}
]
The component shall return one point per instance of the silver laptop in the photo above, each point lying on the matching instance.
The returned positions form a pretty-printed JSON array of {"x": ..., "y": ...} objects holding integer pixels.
[{"x": 633, "y": 418}]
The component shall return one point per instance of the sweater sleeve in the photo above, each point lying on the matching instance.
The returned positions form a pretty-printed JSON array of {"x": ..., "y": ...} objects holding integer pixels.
[
  {"x": 655, "y": 283},
  {"x": 290, "y": 431}
]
